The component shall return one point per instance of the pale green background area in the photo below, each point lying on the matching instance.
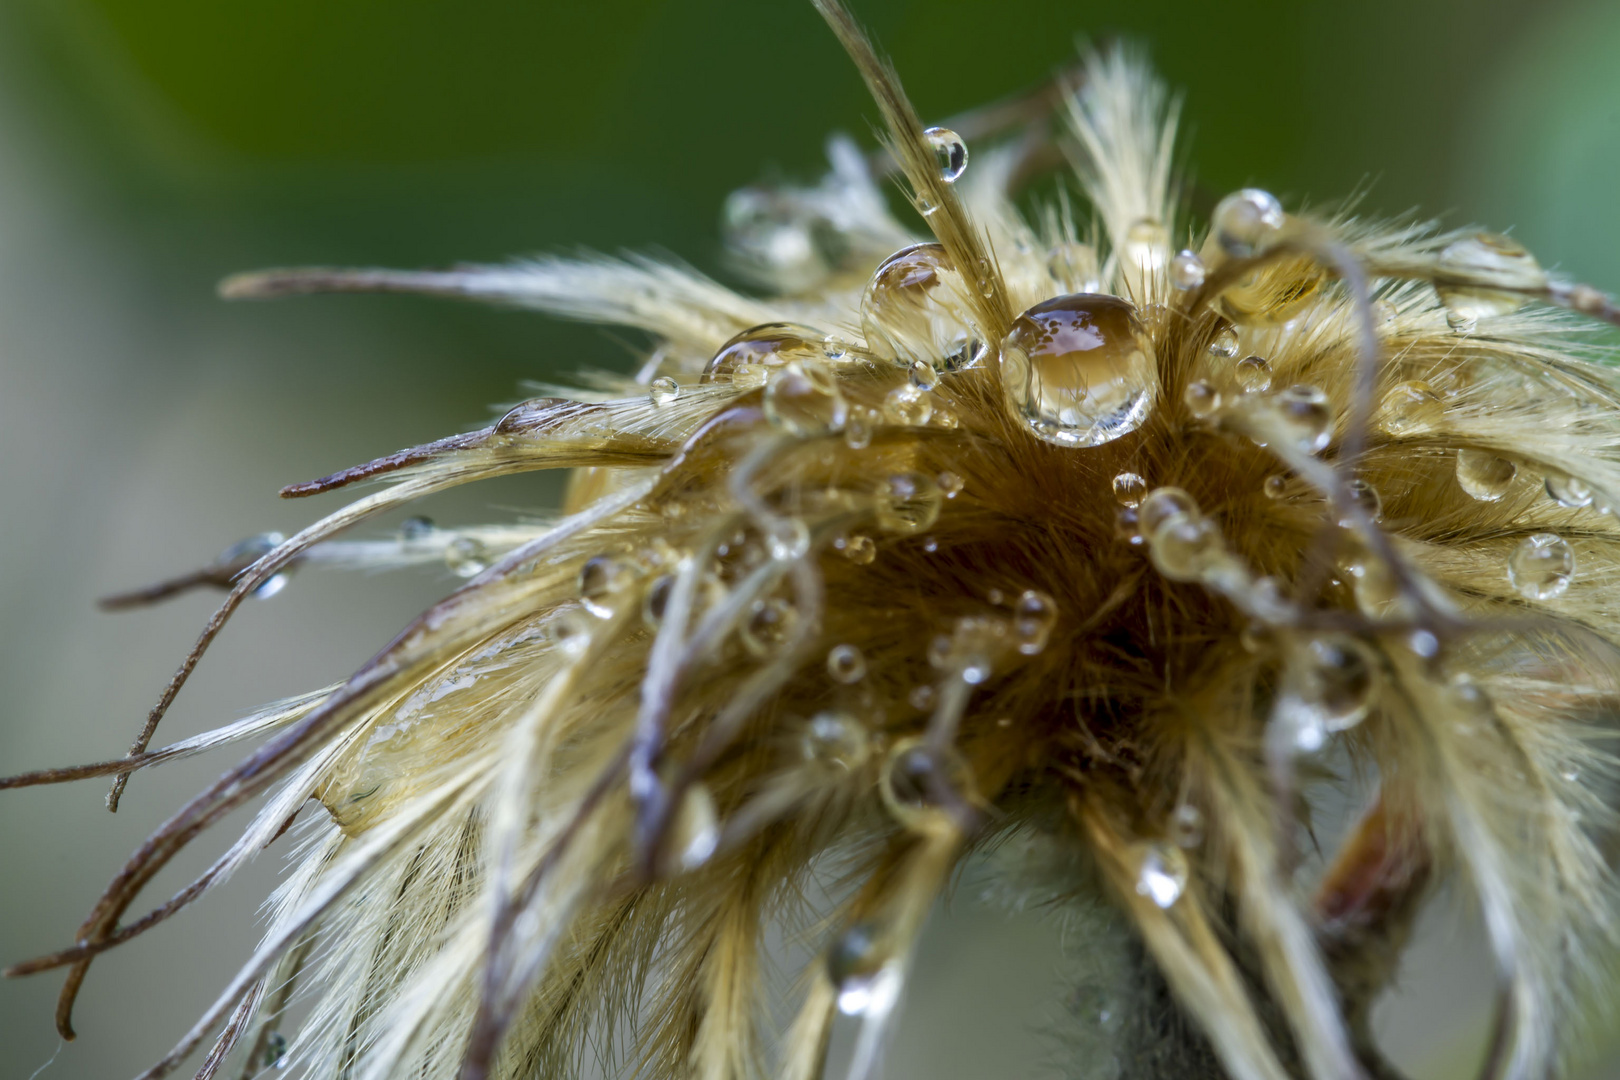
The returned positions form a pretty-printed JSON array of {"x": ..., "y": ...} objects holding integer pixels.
[{"x": 148, "y": 147}]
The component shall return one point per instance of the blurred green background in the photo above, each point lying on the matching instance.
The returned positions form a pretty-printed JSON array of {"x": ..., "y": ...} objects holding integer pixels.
[{"x": 148, "y": 147}]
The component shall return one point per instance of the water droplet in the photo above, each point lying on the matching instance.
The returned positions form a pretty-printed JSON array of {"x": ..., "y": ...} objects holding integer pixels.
[
  {"x": 1146, "y": 246},
  {"x": 1129, "y": 489},
  {"x": 921, "y": 697},
  {"x": 1541, "y": 566},
  {"x": 924, "y": 203},
  {"x": 950, "y": 484},
  {"x": 916, "y": 777},
  {"x": 1484, "y": 475},
  {"x": 1202, "y": 399},
  {"x": 1245, "y": 220},
  {"x": 1186, "y": 270},
  {"x": 950, "y": 151},
  {"x": 663, "y": 390},
  {"x": 1410, "y": 409},
  {"x": 1568, "y": 491},
  {"x": 1184, "y": 546},
  {"x": 1329, "y": 686},
  {"x": 695, "y": 831},
  {"x": 1467, "y": 270},
  {"x": 1034, "y": 616},
  {"x": 569, "y": 632},
  {"x": 907, "y": 406},
  {"x": 846, "y": 664},
  {"x": 930, "y": 544},
  {"x": 1161, "y": 876},
  {"x": 271, "y": 585},
  {"x": 1275, "y": 486},
  {"x": 770, "y": 623},
  {"x": 244, "y": 553},
  {"x": 656, "y": 600},
  {"x": 1383, "y": 312},
  {"x": 601, "y": 579},
  {"x": 1162, "y": 504},
  {"x": 858, "y": 548},
  {"x": 1308, "y": 415},
  {"x": 1074, "y": 267},
  {"x": 1187, "y": 826},
  {"x": 466, "y": 557},
  {"x": 944, "y": 417},
  {"x": 1365, "y": 496},
  {"x": 787, "y": 539},
  {"x": 862, "y": 967},
  {"x": 1128, "y": 526},
  {"x": 908, "y": 503},
  {"x": 917, "y": 307},
  {"x": 803, "y": 399},
  {"x": 416, "y": 528},
  {"x": 923, "y": 375},
  {"x": 747, "y": 359},
  {"x": 1224, "y": 343},
  {"x": 275, "y": 1051},
  {"x": 1253, "y": 375},
  {"x": 859, "y": 425},
  {"x": 1378, "y": 592},
  {"x": 837, "y": 351},
  {"x": 836, "y": 738},
  {"x": 1079, "y": 370},
  {"x": 1460, "y": 321}
]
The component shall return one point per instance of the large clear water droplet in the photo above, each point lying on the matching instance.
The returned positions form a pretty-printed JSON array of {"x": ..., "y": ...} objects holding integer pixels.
[
  {"x": 917, "y": 777},
  {"x": 1161, "y": 875},
  {"x": 663, "y": 390},
  {"x": 1468, "y": 267},
  {"x": 1129, "y": 488},
  {"x": 1079, "y": 370},
  {"x": 1253, "y": 374},
  {"x": 1541, "y": 566},
  {"x": 950, "y": 151},
  {"x": 1308, "y": 415},
  {"x": 917, "y": 307},
  {"x": 1483, "y": 475},
  {"x": 748, "y": 359},
  {"x": 1330, "y": 686},
  {"x": 803, "y": 398},
  {"x": 1411, "y": 409}
]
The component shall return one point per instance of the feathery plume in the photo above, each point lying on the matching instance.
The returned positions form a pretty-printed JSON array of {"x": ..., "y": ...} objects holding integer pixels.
[{"x": 1103, "y": 545}]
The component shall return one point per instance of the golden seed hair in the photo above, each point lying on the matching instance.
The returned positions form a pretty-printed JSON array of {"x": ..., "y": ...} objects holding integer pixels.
[{"x": 1101, "y": 545}]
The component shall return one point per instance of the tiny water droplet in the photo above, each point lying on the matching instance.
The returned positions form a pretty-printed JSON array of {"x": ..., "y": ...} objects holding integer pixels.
[
  {"x": 1245, "y": 220},
  {"x": 908, "y": 503},
  {"x": 1162, "y": 504},
  {"x": 1275, "y": 486},
  {"x": 1161, "y": 876},
  {"x": 921, "y": 697},
  {"x": 569, "y": 631},
  {"x": 859, "y": 425},
  {"x": 663, "y": 390},
  {"x": 864, "y": 971},
  {"x": 1568, "y": 491},
  {"x": 916, "y": 776},
  {"x": 1184, "y": 546},
  {"x": 1034, "y": 616},
  {"x": 1483, "y": 475},
  {"x": 1424, "y": 643},
  {"x": 416, "y": 528},
  {"x": 950, "y": 151},
  {"x": 907, "y": 406},
  {"x": 923, "y": 375},
  {"x": 1410, "y": 409},
  {"x": 787, "y": 539},
  {"x": 836, "y": 738},
  {"x": 1365, "y": 496},
  {"x": 859, "y": 549},
  {"x": 1187, "y": 826},
  {"x": 1129, "y": 489},
  {"x": 466, "y": 557},
  {"x": 950, "y": 484},
  {"x": 1253, "y": 375},
  {"x": 1079, "y": 370},
  {"x": 1541, "y": 566},
  {"x": 1202, "y": 399},
  {"x": 695, "y": 831},
  {"x": 1186, "y": 270},
  {"x": 601, "y": 580},
  {"x": 1329, "y": 686},
  {"x": 1460, "y": 321},
  {"x": 1225, "y": 343},
  {"x": 275, "y": 1051},
  {"x": 769, "y": 625},
  {"x": 1308, "y": 414},
  {"x": 846, "y": 664}
]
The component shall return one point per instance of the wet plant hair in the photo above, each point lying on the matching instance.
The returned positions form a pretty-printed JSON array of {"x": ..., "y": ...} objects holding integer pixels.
[{"x": 1103, "y": 545}]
